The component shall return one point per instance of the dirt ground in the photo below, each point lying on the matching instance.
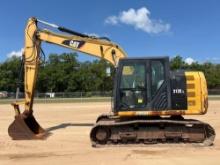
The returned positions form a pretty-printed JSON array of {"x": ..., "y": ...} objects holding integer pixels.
[{"x": 70, "y": 124}]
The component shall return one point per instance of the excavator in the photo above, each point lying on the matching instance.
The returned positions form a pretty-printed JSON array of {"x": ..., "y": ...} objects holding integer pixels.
[{"x": 149, "y": 100}]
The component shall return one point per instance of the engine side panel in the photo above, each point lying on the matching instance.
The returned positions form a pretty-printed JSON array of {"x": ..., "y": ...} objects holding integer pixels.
[
  {"x": 178, "y": 90},
  {"x": 197, "y": 95}
]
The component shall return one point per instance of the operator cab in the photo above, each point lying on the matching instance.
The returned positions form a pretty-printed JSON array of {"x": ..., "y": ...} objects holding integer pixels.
[{"x": 143, "y": 84}]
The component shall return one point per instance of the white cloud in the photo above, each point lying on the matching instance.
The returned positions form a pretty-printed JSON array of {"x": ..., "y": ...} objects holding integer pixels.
[
  {"x": 139, "y": 19},
  {"x": 189, "y": 60},
  {"x": 16, "y": 53},
  {"x": 111, "y": 20}
]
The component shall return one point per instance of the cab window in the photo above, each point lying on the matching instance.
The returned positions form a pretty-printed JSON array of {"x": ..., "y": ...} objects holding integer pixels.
[
  {"x": 157, "y": 76},
  {"x": 133, "y": 86}
]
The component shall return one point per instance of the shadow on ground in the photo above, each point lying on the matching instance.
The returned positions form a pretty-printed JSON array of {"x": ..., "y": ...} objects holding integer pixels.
[{"x": 64, "y": 125}]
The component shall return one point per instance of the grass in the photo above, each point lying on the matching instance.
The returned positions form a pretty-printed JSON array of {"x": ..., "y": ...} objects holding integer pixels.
[{"x": 214, "y": 97}]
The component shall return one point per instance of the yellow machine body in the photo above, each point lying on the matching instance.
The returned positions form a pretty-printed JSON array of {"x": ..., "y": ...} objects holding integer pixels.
[{"x": 197, "y": 99}]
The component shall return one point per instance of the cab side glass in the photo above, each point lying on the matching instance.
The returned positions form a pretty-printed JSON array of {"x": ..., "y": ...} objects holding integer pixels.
[
  {"x": 133, "y": 86},
  {"x": 157, "y": 76}
]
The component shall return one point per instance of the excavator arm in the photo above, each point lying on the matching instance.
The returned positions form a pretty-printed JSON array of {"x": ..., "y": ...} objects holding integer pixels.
[
  {"x": 78, "y": 42},
  {"x": 34, "y": 36}
]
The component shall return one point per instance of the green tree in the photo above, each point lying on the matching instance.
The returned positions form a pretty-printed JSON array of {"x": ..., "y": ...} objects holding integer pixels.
[
  {"x": 64, "y": 73},
  {"x": 177, "y": 63},
  {"x": 55, "y": 74},
  {"x": 9, "y": 74}
]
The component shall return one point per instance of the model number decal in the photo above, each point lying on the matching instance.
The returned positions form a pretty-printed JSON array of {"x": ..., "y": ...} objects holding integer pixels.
[{"x": 178, "y": 91}]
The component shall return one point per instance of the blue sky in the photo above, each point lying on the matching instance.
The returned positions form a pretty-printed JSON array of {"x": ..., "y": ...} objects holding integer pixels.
[{"x": 143, "y": 28}]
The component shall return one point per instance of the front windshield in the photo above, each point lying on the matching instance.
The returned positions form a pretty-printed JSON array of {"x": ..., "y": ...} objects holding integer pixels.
[{"x": 133, "y": 76}]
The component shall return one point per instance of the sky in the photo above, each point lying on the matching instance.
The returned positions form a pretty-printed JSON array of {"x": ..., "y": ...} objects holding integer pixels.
[{"x": 142, "y": 27}]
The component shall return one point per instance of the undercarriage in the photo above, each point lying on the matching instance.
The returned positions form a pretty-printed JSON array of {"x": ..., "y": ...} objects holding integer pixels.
[{"x": 111, "y": 130}]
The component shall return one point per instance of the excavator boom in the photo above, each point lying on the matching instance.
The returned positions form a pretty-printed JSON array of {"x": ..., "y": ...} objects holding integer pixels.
[{"x": 25, "y": 126}]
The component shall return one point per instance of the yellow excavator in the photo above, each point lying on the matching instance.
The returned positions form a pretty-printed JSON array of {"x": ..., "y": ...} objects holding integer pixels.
[{"x": 149, "y": 101}]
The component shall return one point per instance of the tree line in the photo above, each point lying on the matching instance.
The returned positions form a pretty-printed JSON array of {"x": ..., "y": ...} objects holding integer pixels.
[
  {"x": 59, "y": 73},
  {"x": 211, "y": 71},
  {"x": 65, "y": 73}
]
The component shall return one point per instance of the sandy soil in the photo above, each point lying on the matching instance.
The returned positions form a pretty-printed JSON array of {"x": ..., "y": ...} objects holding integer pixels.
[{"x": 70, "y": 143}]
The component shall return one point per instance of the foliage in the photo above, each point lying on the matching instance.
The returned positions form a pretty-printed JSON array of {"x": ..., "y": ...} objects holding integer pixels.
[
  {"x": 64, "y": 73},
  {"x": 211, "y": 71},
  {"x": 60, "y": 73},
  {"x": 9, "y": 74}
]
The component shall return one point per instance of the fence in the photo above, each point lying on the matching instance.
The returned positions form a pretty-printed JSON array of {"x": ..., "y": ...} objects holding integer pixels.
[
  {"x": 12, "y": 95},
  {"x": 61, "y": 96},
  {"x": 76, "y": 96},
  {"x": 214, "y": 91}
]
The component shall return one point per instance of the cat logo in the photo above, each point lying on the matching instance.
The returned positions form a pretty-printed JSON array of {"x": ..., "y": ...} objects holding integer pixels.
[{"x": 76, "y": 44}]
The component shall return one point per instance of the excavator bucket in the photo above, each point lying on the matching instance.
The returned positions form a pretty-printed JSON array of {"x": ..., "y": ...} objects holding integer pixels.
[{"x": 26, "y": 128}]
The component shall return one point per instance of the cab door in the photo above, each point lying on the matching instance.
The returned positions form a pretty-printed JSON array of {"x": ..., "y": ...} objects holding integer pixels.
[{"x": 159, "y": 84}]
